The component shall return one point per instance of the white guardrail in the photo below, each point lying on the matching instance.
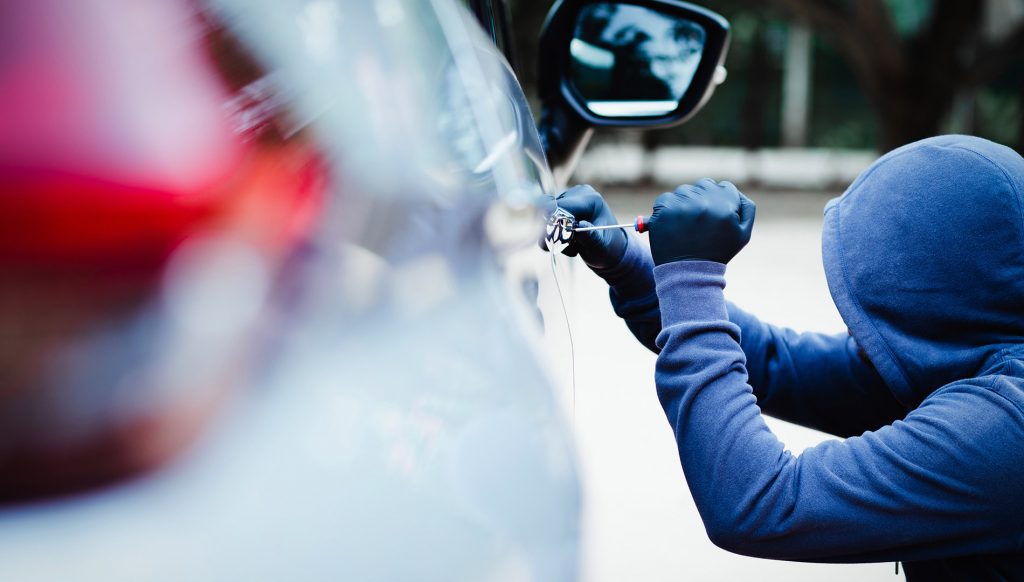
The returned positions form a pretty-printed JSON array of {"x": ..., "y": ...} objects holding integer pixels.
[{"x": 789, "y": 169}]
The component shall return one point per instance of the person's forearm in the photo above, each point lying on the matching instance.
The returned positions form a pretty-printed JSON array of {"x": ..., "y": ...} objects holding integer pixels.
[
  {"x": 728, "y": 454},
  {"x": 632, "y": 292}
]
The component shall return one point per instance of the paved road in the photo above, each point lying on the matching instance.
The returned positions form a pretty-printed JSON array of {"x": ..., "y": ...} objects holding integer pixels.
[{"x": 640, "y": 522}]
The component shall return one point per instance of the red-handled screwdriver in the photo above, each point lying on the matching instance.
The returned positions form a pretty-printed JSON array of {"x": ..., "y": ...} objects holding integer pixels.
[{"x": 640, "y": 225}]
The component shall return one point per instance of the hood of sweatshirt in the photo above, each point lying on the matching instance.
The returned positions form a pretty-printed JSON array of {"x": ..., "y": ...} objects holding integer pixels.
[{"x": 924, "y": 256}]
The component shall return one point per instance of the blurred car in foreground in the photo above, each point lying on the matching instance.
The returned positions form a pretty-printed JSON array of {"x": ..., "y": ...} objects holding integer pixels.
[{"x": 262, "y": 308}]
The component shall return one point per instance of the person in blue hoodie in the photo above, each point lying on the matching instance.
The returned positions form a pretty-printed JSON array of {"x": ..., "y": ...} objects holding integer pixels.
[{"x": 924, "y": 256}]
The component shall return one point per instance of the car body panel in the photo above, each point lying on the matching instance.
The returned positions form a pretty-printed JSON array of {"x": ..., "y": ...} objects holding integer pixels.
[{"x": 402, "y": 425}]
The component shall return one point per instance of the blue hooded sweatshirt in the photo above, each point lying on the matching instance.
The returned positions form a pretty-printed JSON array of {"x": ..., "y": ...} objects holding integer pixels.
[{"x": 924, "y": 256}]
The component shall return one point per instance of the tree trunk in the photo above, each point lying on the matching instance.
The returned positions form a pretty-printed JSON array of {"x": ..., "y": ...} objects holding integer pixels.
[
  {"x": 755, "y": 101},
  {"x": 908, "y": 109},
  {"x": 904, "y": 120}
]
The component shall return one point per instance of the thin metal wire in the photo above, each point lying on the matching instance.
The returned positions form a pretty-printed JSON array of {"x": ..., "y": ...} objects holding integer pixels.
[{"x": 568, "y": 329}]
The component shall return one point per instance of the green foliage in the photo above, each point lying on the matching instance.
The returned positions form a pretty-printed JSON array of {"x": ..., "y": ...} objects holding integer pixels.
[
  {"x": 999, "y": 116},
  {"x": 840, "y": 115},
  {"x": 910, "y": 15}
]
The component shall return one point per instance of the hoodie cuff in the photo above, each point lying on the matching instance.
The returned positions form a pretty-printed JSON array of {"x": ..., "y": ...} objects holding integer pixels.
[
  {"x": 691, "y": 291},
  {"x": 633, "y": 275}
]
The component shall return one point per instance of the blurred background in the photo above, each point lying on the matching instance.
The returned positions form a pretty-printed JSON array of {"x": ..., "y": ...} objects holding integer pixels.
[
  {"x": 816, "y": 90},
  {"x": 206, "y": 281}
]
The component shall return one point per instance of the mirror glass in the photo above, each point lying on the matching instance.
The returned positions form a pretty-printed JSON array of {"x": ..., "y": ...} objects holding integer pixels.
[{"x": 632, "y": 61}]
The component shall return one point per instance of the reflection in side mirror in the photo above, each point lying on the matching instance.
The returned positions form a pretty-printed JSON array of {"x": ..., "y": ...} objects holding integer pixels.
[
  {"x": 633, "y": 61},
  {"x": 626, "y": 64}
]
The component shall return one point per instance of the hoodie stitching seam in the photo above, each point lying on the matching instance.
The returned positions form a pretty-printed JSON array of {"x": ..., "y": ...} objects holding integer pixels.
[
  {"x": 989, "y": 386},
  {"x": 857, "y": 302},
  {"x": 992, "y": 388},
  {"x": 1001, "y": 357}
]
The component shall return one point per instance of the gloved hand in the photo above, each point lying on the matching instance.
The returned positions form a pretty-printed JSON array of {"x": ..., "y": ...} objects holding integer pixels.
[
  {"x": 599, "y": 249},
  {"x": 706, "y": 221}
]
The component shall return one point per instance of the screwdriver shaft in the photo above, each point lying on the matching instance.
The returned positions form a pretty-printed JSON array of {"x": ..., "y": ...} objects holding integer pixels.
[{"x": 607, "y": 227}]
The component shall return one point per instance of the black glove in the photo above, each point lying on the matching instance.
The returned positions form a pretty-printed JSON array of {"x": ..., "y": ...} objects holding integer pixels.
[
  {"x": 599, "y": 249},
  {"x": 706, "y": 221}
]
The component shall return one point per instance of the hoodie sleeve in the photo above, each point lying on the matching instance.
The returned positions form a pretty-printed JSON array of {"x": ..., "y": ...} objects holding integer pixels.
[
  {"x": 812, "y": 379},
  {"x": 943, "y": 482},
  {"x": 632, "y": 292}
]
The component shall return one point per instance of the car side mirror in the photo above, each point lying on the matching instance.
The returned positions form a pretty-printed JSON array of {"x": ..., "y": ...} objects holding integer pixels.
[{"x": 629, "y": 64}]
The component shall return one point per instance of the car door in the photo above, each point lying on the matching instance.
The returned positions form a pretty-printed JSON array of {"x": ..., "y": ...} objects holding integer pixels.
[
  {"x": 401, "y": 425},
  {"x": 396, "y": 420}
]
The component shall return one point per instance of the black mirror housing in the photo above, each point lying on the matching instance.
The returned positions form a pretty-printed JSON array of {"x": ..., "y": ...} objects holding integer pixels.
[{"x": 560, "y": 65}]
